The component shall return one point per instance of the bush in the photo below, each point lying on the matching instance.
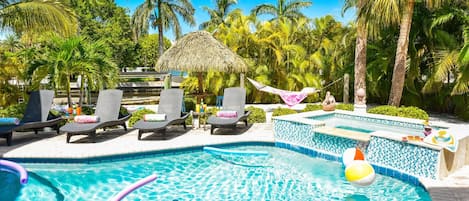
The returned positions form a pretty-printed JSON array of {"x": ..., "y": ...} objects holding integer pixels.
[
  {"x": 138, "y": 115},
  {"x": 257, "y": 115},
  {"x": 413, "y": 112},
  {"x": 409, "y": 112},
  {"x": 348, "y": 107},
  {"x": 283, "y": 111},
  {"x": 88, "y": 110},
  {"x": 190, "y": 104},
  {"x": 16, "y": 110},
  {"x": 312, "y": 107}
]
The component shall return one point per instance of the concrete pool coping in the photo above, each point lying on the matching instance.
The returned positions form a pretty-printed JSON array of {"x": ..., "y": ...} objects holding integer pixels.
[{"x": 26, "y": 145}]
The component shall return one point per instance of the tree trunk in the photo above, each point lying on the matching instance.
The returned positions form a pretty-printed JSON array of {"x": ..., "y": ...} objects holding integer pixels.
[
  {"x": 398, "y": 75},
  {"x": 360, "y": 56},
  {"x": 160, "y": 31},
  {"x": 69, "y": 95}
]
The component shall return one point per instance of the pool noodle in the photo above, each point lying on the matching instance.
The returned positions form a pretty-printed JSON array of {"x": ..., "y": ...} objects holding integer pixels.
[
  {"x": 129, "y": 189},
  {"x": 18, "y": 168},
  {"x": 214, "y": 150}
]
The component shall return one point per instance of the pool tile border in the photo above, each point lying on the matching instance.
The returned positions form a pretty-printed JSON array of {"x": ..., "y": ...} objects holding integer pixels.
[
  {"x": 168, "y": 152},
  {"x": 332, "y": 157},
  {"x": 137, "y": 155}
]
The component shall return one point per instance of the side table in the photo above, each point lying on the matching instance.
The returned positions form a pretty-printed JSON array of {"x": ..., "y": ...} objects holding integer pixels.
[{"x": 196, "y": 116}]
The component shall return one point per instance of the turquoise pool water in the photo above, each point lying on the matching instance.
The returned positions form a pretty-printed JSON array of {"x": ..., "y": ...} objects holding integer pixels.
[
  {"x": 364, "y": 126},
  {"x": 195, "y": 175}
]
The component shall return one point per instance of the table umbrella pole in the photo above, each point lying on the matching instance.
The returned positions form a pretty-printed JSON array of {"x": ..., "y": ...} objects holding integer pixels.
[{"x": 201, "y": 89}]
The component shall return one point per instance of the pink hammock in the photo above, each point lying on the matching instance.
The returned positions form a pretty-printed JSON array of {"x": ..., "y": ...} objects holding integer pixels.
[{"x": 290, "y": 98}]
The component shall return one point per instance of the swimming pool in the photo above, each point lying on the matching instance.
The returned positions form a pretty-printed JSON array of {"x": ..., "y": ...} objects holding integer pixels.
[
  {"x": 195, "y": 175},
  {"x": 358, "y": 125}
]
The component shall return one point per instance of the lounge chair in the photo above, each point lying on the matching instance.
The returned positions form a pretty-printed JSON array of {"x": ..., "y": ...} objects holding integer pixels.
[
  {"x": 171, "y": 105},
  {"x": 36, "y": 116},
  {"x": 234, "y": 99},
  {"x": 107, "y": 109}
]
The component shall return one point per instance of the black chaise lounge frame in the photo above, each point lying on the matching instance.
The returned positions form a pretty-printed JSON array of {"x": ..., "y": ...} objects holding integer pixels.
[
  {"x": 234, "y": 99},
  {"x": 171, "y": 105},
  {"x": 107, "y": 109},
  {"x": 36, "y": 116}
]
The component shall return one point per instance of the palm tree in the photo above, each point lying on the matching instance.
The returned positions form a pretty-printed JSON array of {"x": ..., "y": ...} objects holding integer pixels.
[
  {"x": 72, "y": 57},
  {"x": 38, "y": 16},
  {"x": 360, "y": 47},
  {"x": 219, "y": 14},
  {"x": 289, "y": 10},
  {"x": 390, "y": 12},
  {"x": 163, "y": 14}
]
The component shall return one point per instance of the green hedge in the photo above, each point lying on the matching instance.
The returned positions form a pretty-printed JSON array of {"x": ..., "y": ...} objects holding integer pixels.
[
  {"x": 138, "y": 115},
  {"x": 257, "y": 115},
  {"x": 348, "y": 107},
  {"x": 409, "y": 112},
  {"x": 16, "y": 110},
  {"x": 283, "y": 111},
  {"x": 312, "y": 107}
]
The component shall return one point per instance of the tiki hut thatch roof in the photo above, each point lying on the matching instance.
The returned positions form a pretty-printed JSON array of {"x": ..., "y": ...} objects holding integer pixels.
[{"x": 200, "y": 52}]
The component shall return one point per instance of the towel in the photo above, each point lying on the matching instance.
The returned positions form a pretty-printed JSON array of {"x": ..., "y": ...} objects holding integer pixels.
[
  {"x": 445, "y": 140},
  {"x": 227, "y": 114},
  {"x": 86, "y": 119},
  {"x": 6, "y": 121},
  {"x": 292, "y": 98},
  {"x": 154, "y": 117}
]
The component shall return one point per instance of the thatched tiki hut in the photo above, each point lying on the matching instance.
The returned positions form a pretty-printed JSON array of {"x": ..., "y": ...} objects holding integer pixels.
[{"x": 200, "y": 52}]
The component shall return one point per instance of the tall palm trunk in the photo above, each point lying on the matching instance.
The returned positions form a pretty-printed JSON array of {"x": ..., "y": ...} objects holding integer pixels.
[
  {"x": 160, "y": 30},
  {"x": 360, "y": 55},
  {"x": 398, "y": 75}
]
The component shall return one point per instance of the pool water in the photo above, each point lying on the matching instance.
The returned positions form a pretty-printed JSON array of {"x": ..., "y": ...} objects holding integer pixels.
[
  {"x": 364, "y": 126},
  {"x": 196, "y": 175}
]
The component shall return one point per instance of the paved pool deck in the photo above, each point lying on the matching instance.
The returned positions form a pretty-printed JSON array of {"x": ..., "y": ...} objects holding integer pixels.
[{"x": 117, "y": 141}]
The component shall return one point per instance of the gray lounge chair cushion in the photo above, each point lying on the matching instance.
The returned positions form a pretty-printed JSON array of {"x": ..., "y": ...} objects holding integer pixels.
[
  {"x": 35, "y": 116},
  {"x": 234, "y": 99},
  {"x": 171, "y": 105},
  {"x": 107, "y": 109}
]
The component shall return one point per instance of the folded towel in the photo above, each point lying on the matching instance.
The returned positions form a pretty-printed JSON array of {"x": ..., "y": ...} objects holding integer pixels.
[
  {"x": 4, "y": 121},
  {"x": 154, "y": 117},
  {"x": 86, "y": 119},
  {"x": 227, "y": 114}
]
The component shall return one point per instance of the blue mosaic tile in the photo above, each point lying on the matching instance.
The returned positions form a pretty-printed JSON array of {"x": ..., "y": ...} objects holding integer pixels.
[
  {"x": 378, "y": 169},
  {"x": 416, "y": 160}
]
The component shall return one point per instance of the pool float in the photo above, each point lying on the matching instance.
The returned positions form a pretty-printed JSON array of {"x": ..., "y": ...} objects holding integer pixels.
[
  {"x": 18, "y": 168},
  {"x": 352, "y": 154},
  {"x": 443, "y": 139},
  {"x": 360, "y": 173},
  {"x": 217, "y": 151},
  {"x": 132, "y": 187}
]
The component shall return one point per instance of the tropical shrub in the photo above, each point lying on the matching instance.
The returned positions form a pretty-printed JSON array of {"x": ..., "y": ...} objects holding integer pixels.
[
  {"x": 283, "y": 111},
  {"x": 16, "y": 110},
  {"x": 257, "y": 115},
  {"x": 348, "y": 107},
  {"x": 190, "y": 104},
  {"x": 138, "y": 115},
  {"x": 312, "y": 107},
  {"x": 409, "y": 112}
]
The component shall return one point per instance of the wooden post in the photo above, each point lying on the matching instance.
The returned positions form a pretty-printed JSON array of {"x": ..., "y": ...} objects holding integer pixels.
[{"x": 346, "y": 88}]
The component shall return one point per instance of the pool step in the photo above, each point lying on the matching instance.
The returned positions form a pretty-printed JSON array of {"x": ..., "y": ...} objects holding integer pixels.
[{"x": 354, "y": 135}]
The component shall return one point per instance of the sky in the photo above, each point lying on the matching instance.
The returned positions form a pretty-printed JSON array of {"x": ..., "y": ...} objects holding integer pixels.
[{"x": 318, "y": 9}]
